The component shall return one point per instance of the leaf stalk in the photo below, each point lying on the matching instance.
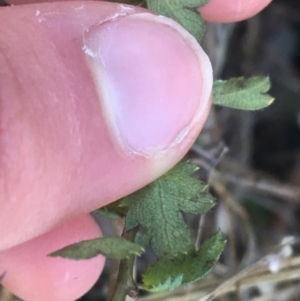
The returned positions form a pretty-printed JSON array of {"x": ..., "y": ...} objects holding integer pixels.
[{"x": 125, "y": 285}]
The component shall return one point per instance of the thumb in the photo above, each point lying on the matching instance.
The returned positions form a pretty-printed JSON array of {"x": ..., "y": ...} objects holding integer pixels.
[{"x": 97, "y": 100}]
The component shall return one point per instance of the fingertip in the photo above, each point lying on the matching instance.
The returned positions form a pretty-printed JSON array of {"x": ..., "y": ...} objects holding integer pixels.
[
  {"x": 153, "y": 79},
  {"x": 33, "y": 276},
  {"x": 222, "y": 11},
  {"x": 63, "y": 156}
]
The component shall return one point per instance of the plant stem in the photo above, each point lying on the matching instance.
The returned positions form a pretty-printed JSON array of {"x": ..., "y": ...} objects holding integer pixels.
[{"x": 125, "y": 284}]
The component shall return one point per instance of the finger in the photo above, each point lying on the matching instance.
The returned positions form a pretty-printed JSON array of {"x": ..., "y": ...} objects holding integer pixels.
[
  {"x": 97, "y": 100},
  {"x": 224, "y": 11},
  {"x": 33, "y": 276}
]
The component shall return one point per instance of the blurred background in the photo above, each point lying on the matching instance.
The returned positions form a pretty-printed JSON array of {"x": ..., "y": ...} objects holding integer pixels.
[{"x": 251, "y": 161}]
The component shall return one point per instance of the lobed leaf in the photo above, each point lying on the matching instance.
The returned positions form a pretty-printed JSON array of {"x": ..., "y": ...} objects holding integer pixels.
[
  {"x": 185, "y": 12},
  {"x": 167, "y": 274},
  {"x": 168, "y": 285},
  {"x": 156, "y": 210},
  {"x": 243, "y": 94},
  {"x": 114, "y": 247}
]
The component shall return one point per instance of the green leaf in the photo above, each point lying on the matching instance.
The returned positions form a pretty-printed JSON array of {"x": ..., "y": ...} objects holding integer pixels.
[
  {"x": 114, "y": 210},
  {"x": 243, "y": 94},
  {"x": 113, "y": 247},
  {"x": 168, "y": 274},
  {"x": 167, "y": 285},
  {"x": 156, "y": 210},
  {"x": 107, "y": 213},
  {"x": 185, "y": 12}
]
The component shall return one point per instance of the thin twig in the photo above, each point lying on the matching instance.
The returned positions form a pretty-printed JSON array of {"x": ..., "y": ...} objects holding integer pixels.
[
  {"x": 282, "y": 295},
  {"x": 237, "y": 209},
  {"x": 234, "y": 173},
  {"x": 232, "y": 244},
  {"x": 211, "y": 288},
  {"x": 251, "y": 277},
  {"x": 125, "y": 284},
  {"x": 117, "y": 228},
  {"x": 199, "y": 231}
]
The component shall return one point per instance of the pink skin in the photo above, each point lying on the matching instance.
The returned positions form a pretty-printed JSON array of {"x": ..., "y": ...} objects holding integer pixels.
[
  {"x": 97, "y": 100},
  {"x": 84, "y": 102},
  {"x": 224, "y": 11},
  {"x": 34, "y": 277},
  {"x": 221, "y": 11}
]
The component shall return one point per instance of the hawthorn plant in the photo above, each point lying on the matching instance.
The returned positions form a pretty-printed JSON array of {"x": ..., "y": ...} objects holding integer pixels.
[{"x": 154, "y": 214}]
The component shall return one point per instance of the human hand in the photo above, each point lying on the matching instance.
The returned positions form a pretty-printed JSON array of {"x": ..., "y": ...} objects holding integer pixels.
[{"x": 97, "y": 100}]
